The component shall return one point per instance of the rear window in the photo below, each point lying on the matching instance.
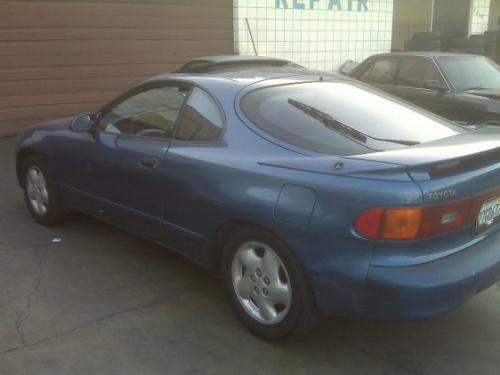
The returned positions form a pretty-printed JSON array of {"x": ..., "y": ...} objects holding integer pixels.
[
  {"x": 342, "y": 118},
  {"x": 382, "y": 71}
]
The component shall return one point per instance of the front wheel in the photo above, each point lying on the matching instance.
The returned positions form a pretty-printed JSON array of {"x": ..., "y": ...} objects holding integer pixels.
[
  {"x": 267, "y": 287},
  {"x": 39, "y": 193}
]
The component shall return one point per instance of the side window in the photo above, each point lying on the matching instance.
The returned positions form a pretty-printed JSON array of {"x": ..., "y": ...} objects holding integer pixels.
[
  {"x": 150, "y": 113},
  {"x": 414, "y": 71},
  {"x": 382, "y": 71},
  {"x": 201, "y": 119}
]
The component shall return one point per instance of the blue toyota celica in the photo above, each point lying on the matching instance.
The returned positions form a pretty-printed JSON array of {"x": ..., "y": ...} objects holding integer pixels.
[{"x": 307, "y": 193}]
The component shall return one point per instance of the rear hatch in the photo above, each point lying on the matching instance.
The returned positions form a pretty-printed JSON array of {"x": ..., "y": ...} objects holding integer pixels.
[{"x": 454, "y": 168}]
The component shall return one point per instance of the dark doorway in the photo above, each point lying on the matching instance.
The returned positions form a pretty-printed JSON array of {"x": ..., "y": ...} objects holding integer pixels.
[{"x": 451, "y": 17}]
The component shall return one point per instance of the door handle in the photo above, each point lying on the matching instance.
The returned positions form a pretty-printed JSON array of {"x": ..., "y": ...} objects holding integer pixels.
[{"x": 150, "y": 163}]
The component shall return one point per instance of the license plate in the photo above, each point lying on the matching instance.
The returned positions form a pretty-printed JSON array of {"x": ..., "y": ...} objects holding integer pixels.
[{"x": 489, "y": 214}]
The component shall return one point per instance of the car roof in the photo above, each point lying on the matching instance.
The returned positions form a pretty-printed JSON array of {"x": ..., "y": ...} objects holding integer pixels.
[
  {"x": 433, "y": 54},
  {"x": 209, "y": 63},
  {"x": 234, "y": 58},
  {"x": 246, "y": 77}
]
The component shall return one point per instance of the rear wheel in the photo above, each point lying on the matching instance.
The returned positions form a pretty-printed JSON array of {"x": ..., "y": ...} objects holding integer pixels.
[
  {"x": 267, "y": 287},
  {"x": 39, "y": 193}
]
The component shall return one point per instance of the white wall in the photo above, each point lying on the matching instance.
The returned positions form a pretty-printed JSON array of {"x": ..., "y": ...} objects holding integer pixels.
[
  {"x": 318, "y": 38},
  {"x": 480, "y": 15}
]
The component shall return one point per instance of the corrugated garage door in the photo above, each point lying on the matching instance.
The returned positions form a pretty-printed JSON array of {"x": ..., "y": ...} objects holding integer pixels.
[{"x": 59, "y": 58}]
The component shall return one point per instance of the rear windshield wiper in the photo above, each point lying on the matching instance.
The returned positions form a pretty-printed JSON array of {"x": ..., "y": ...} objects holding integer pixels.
[
  {"x": 328, "y": 121},
  {"x": 338, "y": 126}
]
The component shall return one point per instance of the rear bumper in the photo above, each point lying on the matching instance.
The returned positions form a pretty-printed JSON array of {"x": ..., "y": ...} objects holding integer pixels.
[{"x": 423, "y": 290}]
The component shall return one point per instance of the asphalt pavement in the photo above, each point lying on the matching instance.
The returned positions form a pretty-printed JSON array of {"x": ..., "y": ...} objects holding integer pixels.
[{"x": 85, "y": 298}]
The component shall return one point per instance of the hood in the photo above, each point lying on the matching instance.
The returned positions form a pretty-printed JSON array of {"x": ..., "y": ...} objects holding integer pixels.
[
  {"x": 486, "y": 93},
  {"x": 55, "y": 124},
  {"x": 32, "y": 133}
]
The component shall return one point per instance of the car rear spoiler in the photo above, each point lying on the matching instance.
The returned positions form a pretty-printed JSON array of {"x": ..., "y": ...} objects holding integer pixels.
[
  {"x": 446, "y": 156},
  {"x": 460, "y": 153}
]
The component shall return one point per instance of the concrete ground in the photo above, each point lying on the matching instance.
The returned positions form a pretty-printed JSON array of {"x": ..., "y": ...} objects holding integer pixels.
[{"x": 85, "y": 298}]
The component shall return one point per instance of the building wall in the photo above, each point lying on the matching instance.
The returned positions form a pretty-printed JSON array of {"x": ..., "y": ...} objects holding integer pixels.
[
  {"x": 317, "y": 37},
  {"x": 480, "y": 16},
  {"x": 65, "y": 57},
  {"x": 410, "y": 17},
  {"x": 494, "y": 15}
]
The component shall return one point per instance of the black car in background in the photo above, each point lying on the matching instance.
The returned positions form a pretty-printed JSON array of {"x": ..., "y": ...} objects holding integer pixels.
[{"x": 461, "y": 87}]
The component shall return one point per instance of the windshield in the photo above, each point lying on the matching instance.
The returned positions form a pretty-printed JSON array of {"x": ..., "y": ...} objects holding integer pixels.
[
  {"x": 342, "y": 118},
  {"x": 471, "y": 72}
]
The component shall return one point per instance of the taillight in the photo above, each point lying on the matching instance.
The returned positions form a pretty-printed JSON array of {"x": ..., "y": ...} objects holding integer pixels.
[
  {"x": 401, "y": 223},
  {"x": 411, "y": 223},
  {"x": 445, "y": 218}
]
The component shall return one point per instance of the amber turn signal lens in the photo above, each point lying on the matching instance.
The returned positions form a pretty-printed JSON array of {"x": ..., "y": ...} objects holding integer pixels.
[{"x": 402, "y": 223}]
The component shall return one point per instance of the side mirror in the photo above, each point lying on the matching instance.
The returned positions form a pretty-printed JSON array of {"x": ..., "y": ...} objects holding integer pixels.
[
  {"x": 435, "y": 85},
  {"x": 82, "y": 123}
]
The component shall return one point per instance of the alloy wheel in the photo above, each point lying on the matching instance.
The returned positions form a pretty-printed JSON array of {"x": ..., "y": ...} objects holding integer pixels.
[
  {"x": 261, "y": 282},
  {"x": 36, "y": 188}
]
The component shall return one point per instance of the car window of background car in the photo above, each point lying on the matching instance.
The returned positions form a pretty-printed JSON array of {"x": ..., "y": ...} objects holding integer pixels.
[
  {"x": 382, "y": 71},
  {"x": 201, "y": 119},
  {"x": 471, "y": 72},
  {"x": 360, "y": 107},
  {"x": 414, "y": 71},
  {"x": 150, "y": 113}
]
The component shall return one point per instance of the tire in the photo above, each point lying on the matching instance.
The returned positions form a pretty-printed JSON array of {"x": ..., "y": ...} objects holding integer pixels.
[
  {"x": 39, "y": 193},
  {"x": 408, "y": 45},
  {"x": 471, "y": 51},
  {"x": 426, "y": 36},
  {"x": 489, "y": 120},
  {"x": 430, "y": 45},
  {"x": 466, "y": 43},
  {"x": 480, "y": 37},
  {"x": 266, "y": 285},
  {"x": 491, "y": 36},
  {"x": 475, "y": 51},
  {"x": 491, "y": 48},
  {"x": 426, "y": 44}
]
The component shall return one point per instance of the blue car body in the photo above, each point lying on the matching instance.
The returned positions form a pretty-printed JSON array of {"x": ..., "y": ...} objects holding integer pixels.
[{"x": 200, "y": 191}]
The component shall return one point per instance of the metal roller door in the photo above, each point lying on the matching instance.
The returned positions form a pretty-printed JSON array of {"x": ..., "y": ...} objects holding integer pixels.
[{"x": 59, "y": 58}]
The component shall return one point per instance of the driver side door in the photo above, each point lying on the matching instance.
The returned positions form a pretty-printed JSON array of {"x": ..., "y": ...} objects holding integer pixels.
[{"x": 127, "y": 163}]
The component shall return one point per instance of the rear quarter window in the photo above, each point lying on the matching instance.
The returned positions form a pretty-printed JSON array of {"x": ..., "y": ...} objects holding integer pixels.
[
  {"x": 201, "y": 119},
  {"x": 381, "y": 71}
]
